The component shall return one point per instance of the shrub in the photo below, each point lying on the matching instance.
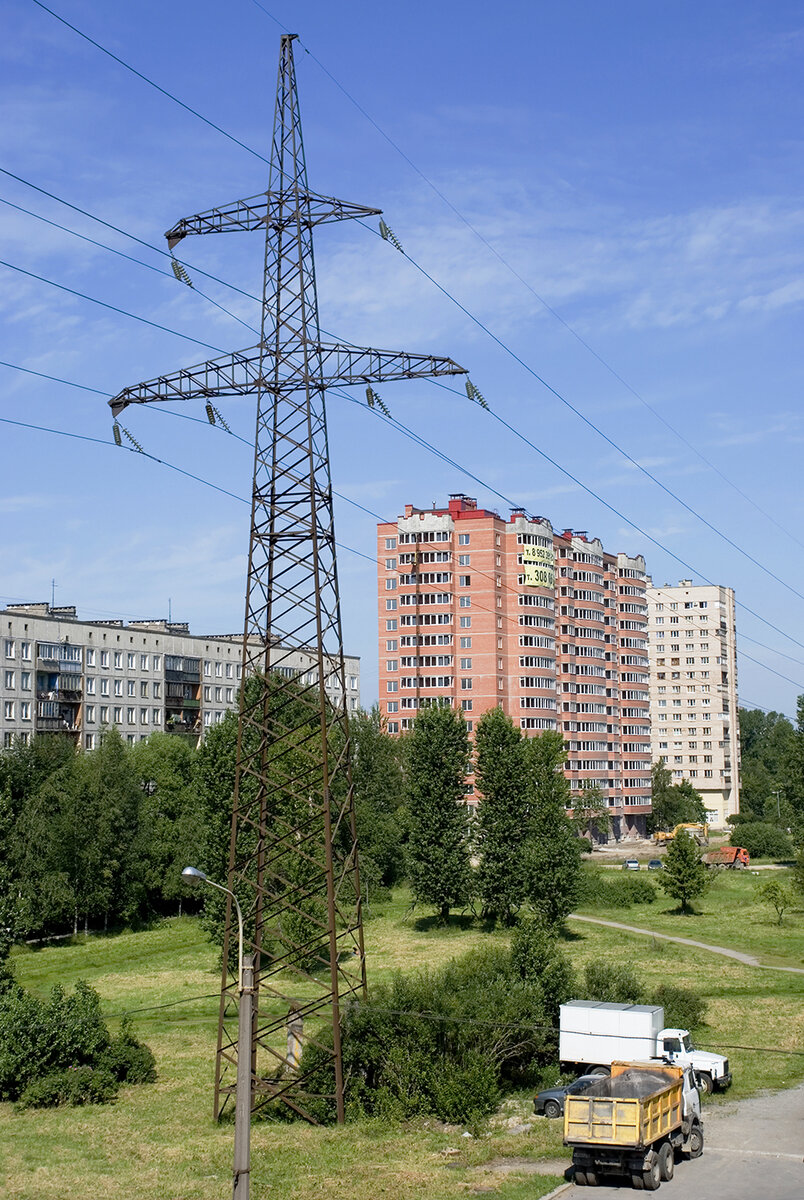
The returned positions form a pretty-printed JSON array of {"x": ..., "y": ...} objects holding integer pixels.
[
  {"x": 609, "y": 890},
  {"x": 683, "y": 1008},
  {"x": 47, "y": 1048},
  {"x": 612, "y": 982},
  {"x": 76, "y": 1085},
  {"x": 762, "y": 840},
  {"x": 536, "y": 958}
]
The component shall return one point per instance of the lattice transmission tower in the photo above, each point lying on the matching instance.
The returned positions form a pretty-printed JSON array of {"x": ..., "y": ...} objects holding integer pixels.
[{"x": 293, "y": 846}]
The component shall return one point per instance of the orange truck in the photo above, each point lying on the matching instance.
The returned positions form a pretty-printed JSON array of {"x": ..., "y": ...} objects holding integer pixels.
[{"x": 735, "y": 858}]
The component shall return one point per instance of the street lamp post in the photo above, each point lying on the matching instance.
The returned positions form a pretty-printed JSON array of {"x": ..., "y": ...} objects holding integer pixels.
[
  {"x": 245, "y": 987},
  {"x": 777, "y": 794}
]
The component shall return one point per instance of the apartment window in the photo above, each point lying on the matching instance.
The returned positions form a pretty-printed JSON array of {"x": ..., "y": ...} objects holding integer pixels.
[
  {"x": 466, "y": 622},
  {"x": 391, "y": 664},
  {"x": 393, "y": 727},
  {"x": 207, "y": 667},
  {"x": 143, "y": 662},
  {"x": 9, "y": 648},
  {"x": 104, "y": 658},
  {"x": 218, "y": 670},
  {"x": 465, "y": 602},
  {"x": 391, "y": 644},
  {"x": 390, "y": 626},
  {"x": 118, "y": 659},
  {"x": 707, "y": 774},
  {"x": 393, "y": 706},
  {"x": 10, "y": 679},
  {"x": 228, "y": 670},
  {"x": 131, "y": 716},
  {"x": 466, "y": 643},
  {"x": 157, "y": 716},
  {"x": 390, "y": 564},
  {"x": 463, "y": 539},
  {"x": 465, "y": 580},
  {"x": 466, "y": 685},
  {"x": 143, "y": 716},
  {"x": 25, "y": 680},
  {"x": 353, "y": 682},
  {"x": 90, "y": 657},
  {"x": 131, "y": 687},
  {"x": 466, "y": 663},
  {"x": 25, "y": 710},
  {"x": 118, "y": 715},
  {"x": 104, "y": 714},
  {"x": 392, "y": 685},
  {"x": 207, "y": 718},
  {"x": 143, "y": 689},
  {"x": 131, "y": 739},
  {"x": 90, "y": 713},
  {"x": 131, "y": 660},
  {"x": 390, "y": 585},
  {"x": 25, "y": 651},
  {"x": 157, "y": 662},
  {"x": 89, "y": 741},
  {"x": 118, "y": 687},
  {"x": 463, "y": 560},
  {"x": 390, "y": 604},
  {"x": 466, "y": 705},
  {"x": 104, "y": 687},
  {"x": 230, "y": 695},
  {"x": 390, "y": 543},
  {"x": 90, "y": 685}
]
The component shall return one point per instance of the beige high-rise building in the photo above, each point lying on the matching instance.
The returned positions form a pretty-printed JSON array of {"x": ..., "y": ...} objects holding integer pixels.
[{"x": 692, "y": 645}]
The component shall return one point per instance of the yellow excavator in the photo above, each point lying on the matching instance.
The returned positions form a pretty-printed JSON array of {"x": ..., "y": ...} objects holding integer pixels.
[{"x": 700, "y": 833}]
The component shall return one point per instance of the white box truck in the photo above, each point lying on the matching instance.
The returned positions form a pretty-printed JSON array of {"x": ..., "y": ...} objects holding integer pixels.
[{"x": 594, "y": 1034}]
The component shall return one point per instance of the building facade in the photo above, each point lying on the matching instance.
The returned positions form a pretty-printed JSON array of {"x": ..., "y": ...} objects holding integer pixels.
[
  {"x": 693, "y": 691},
  {"x": 62, "y": 674},
  {"x": 484, "y": 611}
]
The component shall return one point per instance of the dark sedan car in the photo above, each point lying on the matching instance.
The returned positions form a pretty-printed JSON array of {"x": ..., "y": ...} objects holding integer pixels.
[{"x": 551, "y": 1100}]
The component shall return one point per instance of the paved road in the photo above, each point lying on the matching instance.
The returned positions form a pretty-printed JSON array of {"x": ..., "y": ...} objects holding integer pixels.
[
  {"x": 754, "y": 1151},
  {"x": 748, "y": 959}
]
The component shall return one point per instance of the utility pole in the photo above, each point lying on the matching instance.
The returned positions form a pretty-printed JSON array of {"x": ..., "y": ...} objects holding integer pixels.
[{"x": 293, "y": 843}]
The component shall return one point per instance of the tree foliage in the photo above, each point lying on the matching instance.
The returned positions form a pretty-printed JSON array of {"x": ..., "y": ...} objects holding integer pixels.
[
  {"x": 671, "y": 804},
  {"x": 775, "y": 893},
  {"x": 684, "y": 876},
  {"x": 554, "y": 850},
  {"x": 437, "y": 763},
  {"x": 502, "y": 816},
  {"x": 379, "y": 790},
  {"x": 761, "y": 840}
]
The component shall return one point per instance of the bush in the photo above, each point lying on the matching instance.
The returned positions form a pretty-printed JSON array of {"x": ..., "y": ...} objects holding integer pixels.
[
  {"x": 683, "y": 1008},
  {"x": 762, "y": 840},
  {"x": 612, "y": 982},
  {"x": 536, "y": 958},
  {"x": 76, "y": 1085},
  {"x": 47, "y": 1048},
  {"x": 609, "y": 890}
]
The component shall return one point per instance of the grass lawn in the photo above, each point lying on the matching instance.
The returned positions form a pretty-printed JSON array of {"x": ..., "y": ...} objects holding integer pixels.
[
  {"x": 159, "y": 1142},
  {"x": 729, "y": 914}
]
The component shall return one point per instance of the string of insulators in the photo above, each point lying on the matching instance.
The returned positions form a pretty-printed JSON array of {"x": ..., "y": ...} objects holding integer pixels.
[
  {"x": 118, "y": 429},
  {"x": 475, "y": 394},
  {"x": 180, "y": 272},
  {"x": 387, "y": 234},
  {"x": 373, "y": 399},
  {"x": 215, "y": 418}
]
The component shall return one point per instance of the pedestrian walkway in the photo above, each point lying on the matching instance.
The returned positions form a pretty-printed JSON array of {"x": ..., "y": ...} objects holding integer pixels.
[{"x": 738, "y": 955}]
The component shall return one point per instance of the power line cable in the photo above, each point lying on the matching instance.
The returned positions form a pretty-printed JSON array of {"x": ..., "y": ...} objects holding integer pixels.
[
  {"x": 151, "y": 82},
  {"x": 121, "y": 254},
  {"x": 509, "y": 267},
  {"x": 112, "y": 307}
]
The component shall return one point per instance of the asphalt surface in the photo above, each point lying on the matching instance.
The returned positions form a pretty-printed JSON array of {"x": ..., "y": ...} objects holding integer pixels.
[{"x": 754, "y": 1150}]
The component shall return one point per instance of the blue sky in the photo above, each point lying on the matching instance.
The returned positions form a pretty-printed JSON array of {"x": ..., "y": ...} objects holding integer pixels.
[{"x": 638, "y": 165}]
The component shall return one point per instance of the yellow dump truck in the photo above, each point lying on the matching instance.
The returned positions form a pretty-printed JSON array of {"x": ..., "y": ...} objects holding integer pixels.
[{"x": 634, "y": 1123}]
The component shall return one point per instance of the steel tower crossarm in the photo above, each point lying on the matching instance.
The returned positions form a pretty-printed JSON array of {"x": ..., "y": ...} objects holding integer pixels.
[
  {"x": 275, "y": 210},
  {"x": 239, "y": 373}
]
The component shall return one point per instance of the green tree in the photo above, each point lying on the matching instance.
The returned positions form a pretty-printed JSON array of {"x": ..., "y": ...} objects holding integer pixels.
[
  {"x": 684, "y": 876},
  {"x": 379, "y": 789},
  {"x": 778, "y": 896},
  {"x": 554, "y": 849},
  {"x": 771, "y": 760},
  {"x": 437, "y": 764},
  {"x": 591, "y": 815},
  {"x": 761, "y": 840},
  {"x": 672, "y": 805},
  {"x": 502, "y": 816}
]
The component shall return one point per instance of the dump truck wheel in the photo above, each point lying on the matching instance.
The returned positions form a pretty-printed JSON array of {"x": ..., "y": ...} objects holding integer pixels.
[
  {"x": 652, "y": 1178},
  {"x": 591, "y": 1178},
  {"x": 604, "y": 1072},
  {"x": 637, "y": 1182},
  {"x": 696, "y": 1143},
  {"x": 705, "y": 1080},
  {"x": 667, "y": 1161},
  {"x": 552, "y": 1108},
  {"x": 580, "y": 1178}
]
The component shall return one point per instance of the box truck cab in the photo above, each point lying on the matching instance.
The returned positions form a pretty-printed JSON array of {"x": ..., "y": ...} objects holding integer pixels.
[{"x": 594, "y": 1034}]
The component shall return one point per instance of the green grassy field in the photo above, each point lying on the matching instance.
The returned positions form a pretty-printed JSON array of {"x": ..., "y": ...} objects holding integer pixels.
[
  {"x": 159, "y": 1142},
  {"x": 729, "y": 914}
]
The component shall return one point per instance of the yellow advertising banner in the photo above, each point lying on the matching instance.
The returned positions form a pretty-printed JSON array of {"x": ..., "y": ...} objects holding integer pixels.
[{"x": 539, "y": 563}]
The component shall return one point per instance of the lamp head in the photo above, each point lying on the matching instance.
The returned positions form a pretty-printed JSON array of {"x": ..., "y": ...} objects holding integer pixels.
[{"x": 193, "y": 875}]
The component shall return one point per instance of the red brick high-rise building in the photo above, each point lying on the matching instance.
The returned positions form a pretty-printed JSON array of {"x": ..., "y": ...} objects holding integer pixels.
[{"x": 484, "y": 611}]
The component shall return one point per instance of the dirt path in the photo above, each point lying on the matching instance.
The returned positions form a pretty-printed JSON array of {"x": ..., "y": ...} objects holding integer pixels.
[{"x": 739, "y": 955}]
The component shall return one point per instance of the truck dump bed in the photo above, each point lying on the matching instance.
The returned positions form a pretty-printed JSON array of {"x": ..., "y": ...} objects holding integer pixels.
[{"x": 633, "y": 1107}]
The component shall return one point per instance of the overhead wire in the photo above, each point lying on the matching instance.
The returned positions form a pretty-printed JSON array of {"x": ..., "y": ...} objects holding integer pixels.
[{"x": 513, "y": 271}]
